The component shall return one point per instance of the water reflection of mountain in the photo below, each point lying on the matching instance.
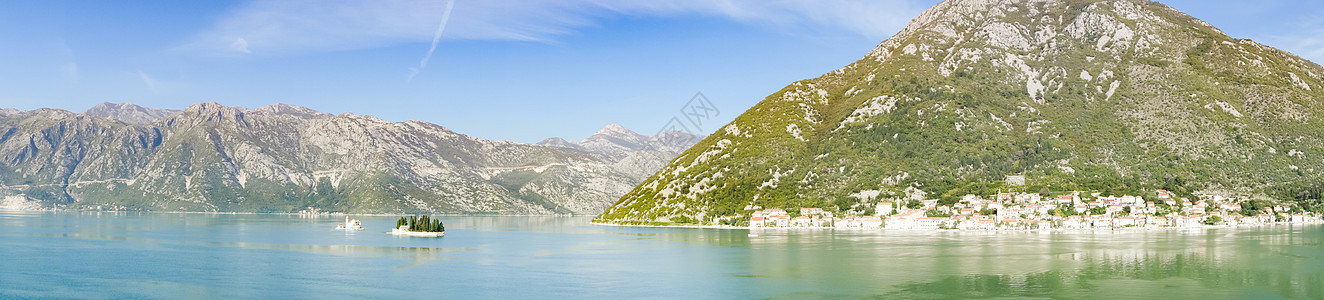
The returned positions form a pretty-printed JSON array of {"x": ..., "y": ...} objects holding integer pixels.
[
  {"x": 1246, "y": 263},
  {"x": 1190, "y": 275}
]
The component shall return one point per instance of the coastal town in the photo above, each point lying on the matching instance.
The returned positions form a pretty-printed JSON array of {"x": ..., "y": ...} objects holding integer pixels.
[{"x": 1026, "y": 211}]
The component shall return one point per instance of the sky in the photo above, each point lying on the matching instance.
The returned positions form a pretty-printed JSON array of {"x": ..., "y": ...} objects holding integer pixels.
[{"x": 494, "y": 69}]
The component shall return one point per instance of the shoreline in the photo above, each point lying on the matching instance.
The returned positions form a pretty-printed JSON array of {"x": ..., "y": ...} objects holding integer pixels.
[
  {"x": 398, "y": 232},
  {"x": 53, "y": 210},
  {"x": 753, "y": 229},
  {"x": 678, "y": 226}
]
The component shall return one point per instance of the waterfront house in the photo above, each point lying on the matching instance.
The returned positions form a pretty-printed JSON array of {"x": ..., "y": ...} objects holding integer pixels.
[
  {"x": 1100, "y": 222},
  {"x": 1157, "y": 222},
  {"x": 870, "y": 222},
  {"x": 844, "y": 222},
  {"x": 1072, "y": 222},
  {"x": 756, "y": 222},
  {"x": 1190, "y": 221},
  {"x": 801, "y": 221},
  {"x": 978, "y": 224},
  {"x": 930, "y": 223}
]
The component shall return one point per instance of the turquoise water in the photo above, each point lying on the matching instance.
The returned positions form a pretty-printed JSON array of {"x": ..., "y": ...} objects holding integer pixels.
[{"x": 89, "y": 255}]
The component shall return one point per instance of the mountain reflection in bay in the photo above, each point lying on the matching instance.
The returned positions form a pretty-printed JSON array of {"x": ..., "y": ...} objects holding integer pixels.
[{"x": 202, "y": 255}]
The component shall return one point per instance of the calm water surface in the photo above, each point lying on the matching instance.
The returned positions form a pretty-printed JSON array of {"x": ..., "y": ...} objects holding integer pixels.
[{"x": 90, "y": 255}]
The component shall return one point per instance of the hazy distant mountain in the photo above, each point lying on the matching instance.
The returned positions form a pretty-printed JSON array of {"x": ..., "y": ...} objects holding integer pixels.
[
  {"x": 282, "y": 158},
  {"x": 634, "y": 154},
  {"x": 128, "y": 113},
  {"x": 617, "y": 141},
  {"x": 1113, "y": 96}
]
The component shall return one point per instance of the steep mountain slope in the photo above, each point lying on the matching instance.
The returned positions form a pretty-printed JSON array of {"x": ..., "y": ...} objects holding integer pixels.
[
  {"x": 1115, "y": 96},
  {"x": 282, "y": 158}
]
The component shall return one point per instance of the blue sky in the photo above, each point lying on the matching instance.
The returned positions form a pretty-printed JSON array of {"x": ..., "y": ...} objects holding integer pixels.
[{"x": 501, "y": 69}]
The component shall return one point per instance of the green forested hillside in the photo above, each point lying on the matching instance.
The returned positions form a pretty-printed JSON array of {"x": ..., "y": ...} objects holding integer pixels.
[{"x": 1118, "y": 97}]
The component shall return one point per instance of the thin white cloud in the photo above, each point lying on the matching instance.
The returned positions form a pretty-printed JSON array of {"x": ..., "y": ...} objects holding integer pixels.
[
  {"x": 298, "y": 26},
  {"x": 1307, "y": 41},
  {"x": 1309, "y": 46},
  {"x": 445, "y": 17},
  {"x": 70, "y": 65},
  {"x": 71, "y": 69},
  {"x": 240, "y": 45},
  {"x": 151, "y": 84}
]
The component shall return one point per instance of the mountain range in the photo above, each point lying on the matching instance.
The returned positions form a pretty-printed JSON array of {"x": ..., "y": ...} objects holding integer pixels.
[
  {"x": 1108, "y": 96},
  {"x": 285, "y": 158}
]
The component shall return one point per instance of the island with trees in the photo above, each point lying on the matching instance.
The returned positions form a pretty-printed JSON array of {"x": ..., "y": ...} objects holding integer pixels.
[{"x": 417, "y": 226}]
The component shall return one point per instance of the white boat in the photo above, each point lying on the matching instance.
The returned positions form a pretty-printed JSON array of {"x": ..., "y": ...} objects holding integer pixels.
[
  {"x": 404, "y": 230},
  {"x": 350, "y": 224}
]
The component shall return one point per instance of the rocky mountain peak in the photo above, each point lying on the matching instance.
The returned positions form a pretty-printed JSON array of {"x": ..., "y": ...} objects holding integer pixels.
[
  {"x": 362, "y": 118},
  {"x": 615, "y": 129},
  {"x": 128, "y": 113},
  {"x": 293, "y": 110},
  {"x": 951, "y": 28},
  {"x": 207, "y": 113},
  {"x": 211, "y": 107},
  {"x": 616, "y": 134},
  {"x": 104, "y": 106},
  {"x": 560, "y": 143}
]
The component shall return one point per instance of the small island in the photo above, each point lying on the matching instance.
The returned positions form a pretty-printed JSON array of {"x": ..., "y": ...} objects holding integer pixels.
[
  {"x": 350, "y": 225},
  {"x": 419, "y": 227}
]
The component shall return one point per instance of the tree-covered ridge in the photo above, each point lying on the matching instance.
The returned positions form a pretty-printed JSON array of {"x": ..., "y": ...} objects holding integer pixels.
[
  {"x": 1117, "y": 97},
  {"x": 421, "y": 224}
]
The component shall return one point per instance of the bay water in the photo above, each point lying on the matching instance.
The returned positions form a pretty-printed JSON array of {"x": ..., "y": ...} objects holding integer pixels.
[{"x": 163, "y": 255}]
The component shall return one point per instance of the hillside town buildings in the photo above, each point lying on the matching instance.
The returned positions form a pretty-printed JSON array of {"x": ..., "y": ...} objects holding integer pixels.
[{"x": 1012, "y": 211}]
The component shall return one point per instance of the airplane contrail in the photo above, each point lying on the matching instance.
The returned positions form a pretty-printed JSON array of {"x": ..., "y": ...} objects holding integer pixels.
[{"x": 445, "y": 17}]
